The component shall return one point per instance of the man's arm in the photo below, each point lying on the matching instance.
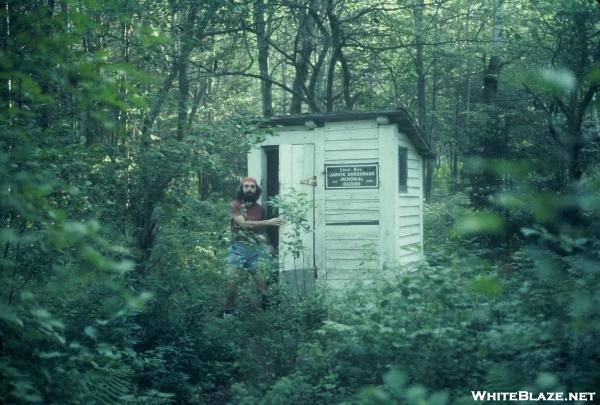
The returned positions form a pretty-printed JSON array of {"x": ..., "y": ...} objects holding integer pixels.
[{"x": 244, "y": 223}]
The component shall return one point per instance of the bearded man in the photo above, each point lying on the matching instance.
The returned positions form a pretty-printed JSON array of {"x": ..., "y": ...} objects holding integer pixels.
[{"x": 250, "y": 250}]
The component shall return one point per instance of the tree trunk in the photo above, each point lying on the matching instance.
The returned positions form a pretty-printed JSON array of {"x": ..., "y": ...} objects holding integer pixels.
[
  {"x": 418, "y": 17},
  {"x": 263, "y": 57},
  {"x": 492, "y": 71},
  {"x": 489, "y": 143},
  {"x": 316, "y": 77},
  {"x": 200, "y": 95},
  {"x": 184, "y": 89},
  {"x": 346, "y": 80},
  {"x": 338, "y": 42},
  {"x": 157, "y": 103},
  {"x": 186, "y": 47},
  {"x": 329, "y": 86},
  {"x": 304, "y": 49},
  {"x": 4, "y": 37}
]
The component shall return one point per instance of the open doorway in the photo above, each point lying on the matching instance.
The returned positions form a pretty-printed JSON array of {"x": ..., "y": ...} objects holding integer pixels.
[{"x": 271, "y": 155}]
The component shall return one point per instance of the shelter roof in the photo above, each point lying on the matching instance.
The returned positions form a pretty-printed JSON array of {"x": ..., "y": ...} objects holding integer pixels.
[{"x": 401, "y": 117}]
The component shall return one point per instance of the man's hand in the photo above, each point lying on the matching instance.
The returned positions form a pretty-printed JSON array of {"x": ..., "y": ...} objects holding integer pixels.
[{"x": 277, "y": 221}]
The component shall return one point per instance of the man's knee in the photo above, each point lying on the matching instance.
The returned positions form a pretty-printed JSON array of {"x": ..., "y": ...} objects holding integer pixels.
[{"x": 234, "y": 273}]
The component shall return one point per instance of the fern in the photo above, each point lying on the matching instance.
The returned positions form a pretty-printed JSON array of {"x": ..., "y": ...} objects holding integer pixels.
[{"x": 107, "y": 385}]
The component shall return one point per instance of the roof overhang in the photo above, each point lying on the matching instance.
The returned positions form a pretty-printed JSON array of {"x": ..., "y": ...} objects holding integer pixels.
[{"x": 401, "y": 117}]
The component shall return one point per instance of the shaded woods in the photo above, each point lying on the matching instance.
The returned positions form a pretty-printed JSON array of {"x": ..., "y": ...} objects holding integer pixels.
[{"x": 124, "y": 131}]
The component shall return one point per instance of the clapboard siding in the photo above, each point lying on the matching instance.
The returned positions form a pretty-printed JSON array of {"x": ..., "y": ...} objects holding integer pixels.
[
  {"x": 350, "y": 249},
  {"x": 342, "y": 144},
  {"x": 351, "y": 143},
  {"x": 349, "y": 233},
  {"x": 415, "y": 190},
  {"x": 354, "y": 204},
  {"x": 347, "y": 264},
  {"x": 351, "y": 195},
  {"x": 408, "y": 229},
  {"x": 414, "y": 183},
  {"x": 348, "y": 126},
  {"x": 409, "y": 239},
  {"x": 344, "y": 276},
  {"x": 409, "y": 257},
  {"x": 332, "y": 217},
  {"x": 408, "y": 211},
  {"x": 408, "y": 201},
  {"x": 369, "y": 246},
  {"x": 353, "y": 254},
  {"x": 348, "y": 275},
  {"x": 348, "y": 209},
  {"x": 409, "y": 249},
  {"x": 350, "y": 155},
  {"x": 408, "y": 220},
  {"x": 349, "y": 136}
]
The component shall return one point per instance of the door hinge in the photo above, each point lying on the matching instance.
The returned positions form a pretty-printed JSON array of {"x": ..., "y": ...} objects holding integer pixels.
[{"x": 311, "y": 181}]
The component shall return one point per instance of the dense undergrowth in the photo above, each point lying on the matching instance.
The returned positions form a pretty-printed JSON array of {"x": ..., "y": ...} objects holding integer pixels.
[
  {"x": 113, "y": 223},
  {"x": 480, "y": 314}
]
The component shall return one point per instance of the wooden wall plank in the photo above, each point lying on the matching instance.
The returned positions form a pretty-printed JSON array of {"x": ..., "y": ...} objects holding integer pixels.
[
  {"x": 405, "y": 200},
  {"x": 349, "y": 253},
  {"x": 342, "y": 244},
  {"x": 351, "y": 274},
  {"x": 349, "y": 135},
  {"x": 409, "y": 211},
  {"x": 344, "y": 144},
  {"x": 350, "y": 216},
  {"x": 350, "y": 155},
  {"x": 352, "y": 205},
  {"x": 363, "y": 126},
  {"x": 349, "y": 195},
  {"x": 409, "y": 229},
  {"x": 340, "y": 264},
  {"x": 406, "y": 240}
]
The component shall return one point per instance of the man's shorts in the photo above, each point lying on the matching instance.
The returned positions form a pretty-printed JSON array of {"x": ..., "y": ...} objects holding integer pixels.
[{"x": 249, "y": 256}]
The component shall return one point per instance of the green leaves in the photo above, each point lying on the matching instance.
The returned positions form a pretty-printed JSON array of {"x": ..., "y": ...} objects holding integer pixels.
[
  {"x": 559, "y": 81},
  {"x": 473, "y": 223},
  {"x": 8, "y": 314},
  {"x": 396, "y": 390},
  {"x": 489, "y": 286}
]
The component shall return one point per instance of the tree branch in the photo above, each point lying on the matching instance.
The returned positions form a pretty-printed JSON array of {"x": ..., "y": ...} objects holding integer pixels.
[
  {"x": 548, "y": 113},
  {"x": 255, "y": 76}
]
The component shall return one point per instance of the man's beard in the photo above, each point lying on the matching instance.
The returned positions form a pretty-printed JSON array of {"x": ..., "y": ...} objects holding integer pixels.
[{"x": 249, "y": 197}]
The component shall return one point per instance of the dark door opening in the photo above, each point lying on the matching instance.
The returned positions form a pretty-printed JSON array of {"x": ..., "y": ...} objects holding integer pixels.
[{"x": 272, "y": 184}]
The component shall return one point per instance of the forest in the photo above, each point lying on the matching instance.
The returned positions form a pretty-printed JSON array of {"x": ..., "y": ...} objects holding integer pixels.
[{"x": 124, "y": 132}]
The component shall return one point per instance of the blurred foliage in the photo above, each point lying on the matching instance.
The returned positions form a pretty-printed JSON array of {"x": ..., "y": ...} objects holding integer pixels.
[{"x": 114, "y": 183}]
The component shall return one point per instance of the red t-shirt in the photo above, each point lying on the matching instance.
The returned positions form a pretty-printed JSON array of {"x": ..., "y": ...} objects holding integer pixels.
[{"x": 251, "y": 212}]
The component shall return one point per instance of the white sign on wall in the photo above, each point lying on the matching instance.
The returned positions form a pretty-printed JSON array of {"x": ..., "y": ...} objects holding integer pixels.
[{"x": 361, "y": 175}]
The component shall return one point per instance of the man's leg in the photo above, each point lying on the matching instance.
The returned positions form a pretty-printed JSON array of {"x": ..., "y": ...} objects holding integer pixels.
[
  {"x": 235, "y": 267},
  {"x": 232, "y": 287},
  {"x": 263, "y": 272},
  {"x": 261, "y": 282}
]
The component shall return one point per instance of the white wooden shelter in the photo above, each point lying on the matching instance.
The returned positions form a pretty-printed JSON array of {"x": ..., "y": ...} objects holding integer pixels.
[{"x": 364, "y": 173}]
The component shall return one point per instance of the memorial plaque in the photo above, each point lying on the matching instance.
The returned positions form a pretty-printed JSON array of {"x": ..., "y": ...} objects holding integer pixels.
[{"x": 352, "y": 176}]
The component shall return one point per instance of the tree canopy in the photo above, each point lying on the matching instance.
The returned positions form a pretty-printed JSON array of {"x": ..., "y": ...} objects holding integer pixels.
[{"x": 124, "y": 128}]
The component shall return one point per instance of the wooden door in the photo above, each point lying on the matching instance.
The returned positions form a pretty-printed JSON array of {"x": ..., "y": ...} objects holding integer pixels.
[{"x": 296, "y": 237}]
